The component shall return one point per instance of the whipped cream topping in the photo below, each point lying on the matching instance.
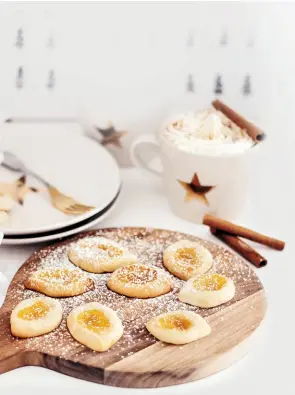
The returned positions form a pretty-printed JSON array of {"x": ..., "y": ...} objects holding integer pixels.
[{"x": 209, "y": 132}]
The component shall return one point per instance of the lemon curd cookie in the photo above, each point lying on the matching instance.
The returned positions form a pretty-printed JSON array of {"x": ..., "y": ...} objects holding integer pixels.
[
  {"x": 59, "y": 282},
  {"x": 99, "y": 255},
  {"x": 140, "y": 281},
  {"x": 178, "y": 327},
  {"x": 207, "y": 290},
  {"x": 35, "y": 317},
  {"x": 95, "y": 325},
  {"x": 187, "y": 258}
]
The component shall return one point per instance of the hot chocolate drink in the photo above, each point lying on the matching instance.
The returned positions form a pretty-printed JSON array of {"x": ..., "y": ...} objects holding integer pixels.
[
  {"x": 207, "y": 161},
  {"x": 208, "y": 132}
]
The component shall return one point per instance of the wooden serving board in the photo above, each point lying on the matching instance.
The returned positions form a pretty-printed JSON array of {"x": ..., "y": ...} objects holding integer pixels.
[{"x": 137, "y": 360}]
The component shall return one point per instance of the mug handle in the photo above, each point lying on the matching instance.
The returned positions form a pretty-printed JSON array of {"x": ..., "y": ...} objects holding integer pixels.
[{"x": 147, "y": 142}]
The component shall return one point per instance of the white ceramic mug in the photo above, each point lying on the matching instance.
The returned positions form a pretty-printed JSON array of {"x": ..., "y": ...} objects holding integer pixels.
[{"x": 220, "y": 188}]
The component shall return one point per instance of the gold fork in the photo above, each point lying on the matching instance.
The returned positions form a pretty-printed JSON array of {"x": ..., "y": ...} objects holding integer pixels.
[
  {"x": 65, "y": 203},
  {"x": 61, "y": 202}
]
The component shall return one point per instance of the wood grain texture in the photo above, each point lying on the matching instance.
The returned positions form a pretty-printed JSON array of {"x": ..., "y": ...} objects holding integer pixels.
[{"x": 137, "y": 360}]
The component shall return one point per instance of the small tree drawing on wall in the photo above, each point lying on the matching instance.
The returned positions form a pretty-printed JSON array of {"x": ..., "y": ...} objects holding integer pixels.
[
  {"x": 247, "y": 86},
  {"x": 190, "y": 40},
  {"x": 19, "y": 83},
  {"x": 250, "y": 42},
  {"x": 50, "y": 41},
  {"x": 190, "y": 87},
  {"x": 218, "y": 88},
  {"x": 223, "y": 39},
  {"x": 51, "y": 80},
  {"x": 19, "y": 42}
]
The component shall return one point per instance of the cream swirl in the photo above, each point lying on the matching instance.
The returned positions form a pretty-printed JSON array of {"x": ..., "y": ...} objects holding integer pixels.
[{"x": 208, "y": 132}]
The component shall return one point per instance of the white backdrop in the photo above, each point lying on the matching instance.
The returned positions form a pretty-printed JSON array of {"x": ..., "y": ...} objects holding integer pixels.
[{"x": 130, "y": 62}]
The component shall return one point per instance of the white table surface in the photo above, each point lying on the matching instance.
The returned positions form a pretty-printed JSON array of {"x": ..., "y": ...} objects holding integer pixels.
[{"x": 268, "y": 367}]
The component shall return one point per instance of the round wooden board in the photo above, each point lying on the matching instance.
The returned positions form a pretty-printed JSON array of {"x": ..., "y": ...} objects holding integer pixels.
[{"x": 137, "y": 360}]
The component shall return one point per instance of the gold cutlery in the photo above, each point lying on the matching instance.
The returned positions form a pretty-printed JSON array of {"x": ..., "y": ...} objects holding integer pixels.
[{"x": 61, "y": 202}]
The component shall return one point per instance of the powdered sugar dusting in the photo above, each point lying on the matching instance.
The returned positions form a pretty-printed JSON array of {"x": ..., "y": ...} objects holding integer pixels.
[
  {"x": 136, "y": 274},
  {"x": 93, "y": 248},
  {"x": 148, "y": 245}
]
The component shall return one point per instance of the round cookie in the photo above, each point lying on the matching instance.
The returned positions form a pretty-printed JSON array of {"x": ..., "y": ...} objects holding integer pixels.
[
  {"x": 35, "y": 317},
  {"x": 99, "y": 255},
  {"x": 207, "y": 290},
  {"x": 187, "y": 258},
  {"x": 59, "y": 282},
  {"x": 178, "y": 327},
  {"x": 95, "y": 325},
  {"x": 140, "y": 281}
]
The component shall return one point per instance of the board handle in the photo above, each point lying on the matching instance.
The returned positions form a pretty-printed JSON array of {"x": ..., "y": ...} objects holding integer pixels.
[
  {"x": 15, "y": 353},
  {"x": 12, "y": 350}
]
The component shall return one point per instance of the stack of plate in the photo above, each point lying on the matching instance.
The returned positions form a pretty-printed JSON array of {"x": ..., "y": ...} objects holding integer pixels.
[{"x": 76, "y": 165}]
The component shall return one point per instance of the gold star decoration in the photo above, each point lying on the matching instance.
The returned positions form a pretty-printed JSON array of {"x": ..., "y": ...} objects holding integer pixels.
[
  {"x": 111, "y": 135},
  {"x": 194, "y": 190},
  {"x": 17, "y": 189}
]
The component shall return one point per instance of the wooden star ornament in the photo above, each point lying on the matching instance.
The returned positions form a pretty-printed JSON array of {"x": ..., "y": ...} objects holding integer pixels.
[
  {"x": 194, "y": 190},
  {"x": 111, "y": 135}
]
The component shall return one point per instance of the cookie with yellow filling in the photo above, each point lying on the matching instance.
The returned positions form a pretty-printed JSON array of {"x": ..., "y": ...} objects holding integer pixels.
[
  {"x": 95, "y": 325},
  {"x": 35, "y": 317},
  {"x": 99, "y": 255},
  {"x": 178, "y": 327},
  {"x": 207, "y": 290},
  {"x": 187, "y": 258},
  {"x": 140, "y": 281},
  {"x": 59, "y": 282}
]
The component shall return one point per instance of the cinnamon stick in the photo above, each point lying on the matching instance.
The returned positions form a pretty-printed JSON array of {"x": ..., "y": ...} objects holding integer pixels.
[
  {"x": 240, "y": 247},
  {"x": 237, "y": 230},
  {"x": 253, "y": 131}
]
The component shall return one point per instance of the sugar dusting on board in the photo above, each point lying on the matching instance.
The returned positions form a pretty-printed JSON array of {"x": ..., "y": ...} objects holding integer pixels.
[
  {"x": 148, "y": 245},
  {"x": 93, "y": 248}
]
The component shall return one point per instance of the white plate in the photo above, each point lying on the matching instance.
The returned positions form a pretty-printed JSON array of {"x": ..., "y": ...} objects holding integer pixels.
[
  {"x": 75, "y": 164},
  {"x": 86, "y": 224}
]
